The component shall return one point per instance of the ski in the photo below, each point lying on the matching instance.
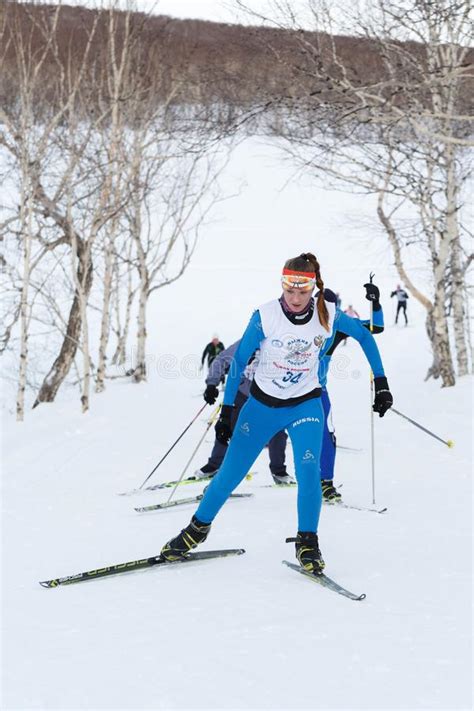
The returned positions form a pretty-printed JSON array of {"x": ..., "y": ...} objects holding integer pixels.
[
  {"x": 335, "y": 504},
  {"x": 279, "y": 486},
  {"x": 178, "y": 502},
  {"x": 348, "y": 449},
  {"x": 326, "y": 582},
  {"x": 133, "y": 565},
  {"x": 342, "y": 505},
  {"x": 166, "y": 485},
  {"x": 176, "y": 482}
]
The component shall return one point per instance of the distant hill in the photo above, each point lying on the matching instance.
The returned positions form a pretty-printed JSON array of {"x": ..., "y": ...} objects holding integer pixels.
[{"x": 189, "y": 61}]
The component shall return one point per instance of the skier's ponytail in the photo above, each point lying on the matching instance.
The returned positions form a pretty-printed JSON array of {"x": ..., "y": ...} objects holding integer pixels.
[{"x": 307, "y": 262}]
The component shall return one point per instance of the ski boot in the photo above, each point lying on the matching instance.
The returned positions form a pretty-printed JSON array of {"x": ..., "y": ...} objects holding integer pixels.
[
  {"x": 206, "y": 472},
  {"x": 189, "y": 538},
  {"x": 330, "y": 493},
  {"x": 283, "y": 479},
  {"x": 307, "y": 551}
]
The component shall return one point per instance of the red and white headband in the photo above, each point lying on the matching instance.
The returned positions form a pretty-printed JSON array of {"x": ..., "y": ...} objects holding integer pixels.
[{"x": 291, "y": 279}]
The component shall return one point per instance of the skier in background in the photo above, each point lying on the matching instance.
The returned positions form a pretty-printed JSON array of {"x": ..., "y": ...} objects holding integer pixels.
[
  {"x": 402, "y": 297},
  {"x": 347, "y": 327},
  {"x": 211, "y": 351},
  {"x": 285, "y": 394},
  {"x": 277, "y": 444},
  {"x": 343, "y": 328},
  {"x": 350, "y": 311}
]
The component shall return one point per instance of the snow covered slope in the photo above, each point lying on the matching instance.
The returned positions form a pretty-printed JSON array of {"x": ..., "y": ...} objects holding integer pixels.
[{"x": 244, "y": 632}]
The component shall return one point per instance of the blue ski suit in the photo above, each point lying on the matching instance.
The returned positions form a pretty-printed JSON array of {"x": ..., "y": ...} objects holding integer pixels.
[
  {"x": 344, "y": 326},
  {"x": 258, "y": 423}
]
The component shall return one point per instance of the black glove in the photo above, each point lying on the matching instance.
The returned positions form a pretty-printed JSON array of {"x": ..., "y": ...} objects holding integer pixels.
[
  {"x": 372, "y": 293},
  {"x": 223, "y": 426},
  {"x": 211, "y": 393},
  {"x": 383, "y": 397}
]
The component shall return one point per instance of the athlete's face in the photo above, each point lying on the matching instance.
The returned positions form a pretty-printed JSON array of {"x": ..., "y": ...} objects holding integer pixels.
[{"x": 297, "y": 299}]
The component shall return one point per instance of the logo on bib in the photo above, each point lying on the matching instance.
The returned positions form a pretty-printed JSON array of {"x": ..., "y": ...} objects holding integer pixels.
[
  {"x": 245, "y": 428},
  {"x": 299, "y": 351},
  {"x": 318, "y": 341},
  {"x": 277, "y": 343}
]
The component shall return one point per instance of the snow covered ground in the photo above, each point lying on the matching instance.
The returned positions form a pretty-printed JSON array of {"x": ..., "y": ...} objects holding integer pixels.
[{"x": 243, "y": 633}]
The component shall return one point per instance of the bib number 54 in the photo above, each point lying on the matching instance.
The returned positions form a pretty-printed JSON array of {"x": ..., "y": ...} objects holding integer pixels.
[{"x": 292, "y": 377}]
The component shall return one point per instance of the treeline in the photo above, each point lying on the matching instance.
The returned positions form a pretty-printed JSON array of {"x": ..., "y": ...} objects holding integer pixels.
[
  {"x": 104, "y": 191},
  {"x": 195, "y": 62},
  {"x": 114, "y": 127}
]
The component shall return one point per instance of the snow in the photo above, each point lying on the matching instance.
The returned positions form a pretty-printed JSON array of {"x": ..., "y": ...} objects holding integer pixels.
[{"x": 247, "y": 632}]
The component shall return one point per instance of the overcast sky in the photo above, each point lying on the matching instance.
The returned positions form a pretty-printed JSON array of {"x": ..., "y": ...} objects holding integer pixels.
[
  {"x": 202, "y": 9},
  {"x": 215, "y": 10}
]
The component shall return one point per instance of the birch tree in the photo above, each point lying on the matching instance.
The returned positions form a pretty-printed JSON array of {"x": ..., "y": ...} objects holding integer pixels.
[
  {"x": 121, "y": 323},
  {"x": 24, "y": 138},
  {"x": 168, "y": 209},
  {"x": 113, "y": 183},
  {"x": 123, "y": 88},
  {"x": 403, "y": 134}
]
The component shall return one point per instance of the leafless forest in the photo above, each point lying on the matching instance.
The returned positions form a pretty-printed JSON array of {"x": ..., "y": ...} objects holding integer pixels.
[{"x": 115, "y": 126}]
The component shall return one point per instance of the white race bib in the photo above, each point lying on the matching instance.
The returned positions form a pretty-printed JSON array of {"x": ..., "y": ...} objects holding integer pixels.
[{"x": 289, "y": 354}]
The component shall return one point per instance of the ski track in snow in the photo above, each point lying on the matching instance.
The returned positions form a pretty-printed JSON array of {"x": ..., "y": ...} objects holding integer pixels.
[{"x": 244, "y": 632}]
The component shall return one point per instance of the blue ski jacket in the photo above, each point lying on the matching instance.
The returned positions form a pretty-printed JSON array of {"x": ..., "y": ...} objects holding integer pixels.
[{"x": 235, "y": 358}]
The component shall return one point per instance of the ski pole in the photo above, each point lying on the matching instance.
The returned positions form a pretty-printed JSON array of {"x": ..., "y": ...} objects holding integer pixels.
[
  {"x": 448, "y": 442},
  {"x": 372, "y": 396},
  {"x": 173, "y": 445},
  {"x": 212, "y": 419}
]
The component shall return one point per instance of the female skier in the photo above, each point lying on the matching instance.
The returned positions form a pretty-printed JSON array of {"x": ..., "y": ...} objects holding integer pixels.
[
  {"x": 344, "y": 327},
  {"x": 285, "y": 394}
]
